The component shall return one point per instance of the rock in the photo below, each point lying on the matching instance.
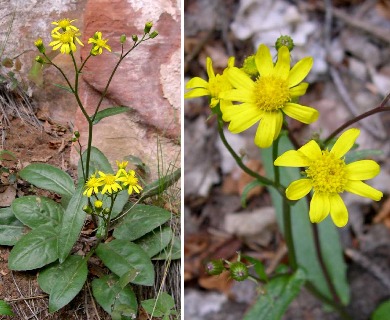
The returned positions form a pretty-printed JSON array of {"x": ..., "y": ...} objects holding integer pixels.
[
  {"x": 7, "y": 196},
  {"x": 197, "y": 305}
]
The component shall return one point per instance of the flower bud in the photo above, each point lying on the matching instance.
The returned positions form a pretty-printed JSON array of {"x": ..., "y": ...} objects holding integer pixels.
[
  {"x": 39, "y": 44},
  {"x": 284, "y": 41},
  {"x": 98, "y": 204},
  {"x": 87, "y": 209},
  {"x": 154, "y": 34},
  {"x": 39, "y": 59},
  {"x": 106, "y": 211},
  {"x": 134, "y": 37},
  {"x": 239, "y": 271},
  {"x": 215, "y": 267},
  {"x": 122, "y": 38},
  {"x": 76, "y": 134},
  {"x": 148, "y": 26},
  {"x": 249, "y": 66}
]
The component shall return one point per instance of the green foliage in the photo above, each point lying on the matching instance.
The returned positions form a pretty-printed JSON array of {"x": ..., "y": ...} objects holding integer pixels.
[
  {"x": 278, "y": 294},
  {"x": 98, "y": 161},
  {"x": 258, "y": 266},
  {"x": 109, "y": 112},
  {"x": 11, "y": 229},
  {"x": 382, "y": 312},
  {"x": 155, "y": 241},
  {"x": 172, "y": 251},
  {"x": 163, "y": 183},
  {"x": 162, "y": 307},
  {"x": 5, "y": 309},
  {"x": 247, "y": 189},
  {"x": 303, "y": 233}
]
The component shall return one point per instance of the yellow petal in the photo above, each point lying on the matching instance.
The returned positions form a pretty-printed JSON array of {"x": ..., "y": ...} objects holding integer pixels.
[
  {"x": 266, "y": 130},
  {"x": 362, "y": 189},
  {"x": 292, "y": 158},
  {"x": 197, "y": 92},
  {"x": 298, "y": 189},
  {"x": 197, "y": 82},
  {"x": 299, "y": 90},
  {"x": 242, "y": 116},
  {"x": 282, "y": 66},
  {"x": 237, "y": 95},
  {"x": 301, "y": 113},
  {"x": 345, "y": 142},
  {"x": 311, "y": 150},
  {"x": 299, "y": 71},
  {"x": 278, "y": 123},
  {"x": 338, "y": 210},
  {"x": 362, "y": 170},
  {"x": 239, "y": 79},
  {"x": 209, "y": 66},
  {"x": 319, "y": 207},
  {"x": 263, "y": 60}
]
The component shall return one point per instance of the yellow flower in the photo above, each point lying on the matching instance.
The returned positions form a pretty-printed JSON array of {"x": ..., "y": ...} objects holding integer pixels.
[
  {"x": 65, "y": 41},
  {"x": 216, "y": 84},
  {"x": 110, "y": 182},
  {"x": 131, "y": 181},
  {"x": 267, "y": 98},
  {"x": 92, "y": 186},
  {"x": 64, "y": 25},
  {"x": 98, "y": 204},
  {"x": 328, "y": 175},
  {"x": 98, "y": 44}
]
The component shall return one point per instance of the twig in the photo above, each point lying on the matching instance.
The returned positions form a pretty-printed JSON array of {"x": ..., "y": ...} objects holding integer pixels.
[
  {"x": 371, "y": 267},
  {"x": 93, "y": 301},
  {"x": 27, "y": 298},
  {"x": 28, "y": 306}
]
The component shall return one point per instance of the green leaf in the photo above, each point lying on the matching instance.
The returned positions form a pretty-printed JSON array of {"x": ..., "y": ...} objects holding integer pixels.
[
  {"x": 108, "y": 293},
  {"x": 122, "y": 256},
  {"x": 303, "y": 232},
  {"x": 35, "y": 249},
  {"x": 155, "y": 241},
  {"x": 63, "y": 281},
  {"x": 6, "y": 155},
  {"x": 160, "y": 306},
  {"x": 279, "y": 293},
  {"x": 127, "y": 278},
  {"x": 98, "y": 161},
  {"x": 259, "y": 267},
  {"x": 71, "y": 223},
  {"x": 66, "y": 88},
  {"x": 247, "y": 189},
  {"x": 5, "y": 309},
  {"x": 171, "y": 252},
  {"x": 141, "y": 220},
  {"x": 160, "y": 185},
  {"x": 47, "y": 177},
  {"x": 382, "y": 312},
  {"x": 121, "y": 199},
  {"x": 11, "y": 229},
  {"x": 35, "y": 211},
  {"x": 109, "y": 112},
  {"x": 356, "y": 155}
]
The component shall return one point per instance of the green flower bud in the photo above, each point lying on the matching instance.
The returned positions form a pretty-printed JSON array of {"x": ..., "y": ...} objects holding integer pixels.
[
  {"x": 76, "y": 134},
  {"x": 39, "y": 44},
  {"x": 87, "y": 209},
  {"x": 148, "y": 26},
  {"x": 134, "y": 37},
  {"x": 106, "y": 211},
  {"x": 39, "y": 59},
  {"x": 284, "y": 41},
  {"x": 215, "y": 267},
  {"x": 249, "y": 66},
  {"x": 239, "y": 271},
  {"x": 123, "y": 38},
  {"x": 98, "y": 204},
  {"x": 153, "y": 35}
]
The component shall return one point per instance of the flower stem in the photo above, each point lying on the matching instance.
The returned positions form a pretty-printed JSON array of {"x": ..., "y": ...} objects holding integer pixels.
[
  {"x": 288, "y": 235},
  {"x": 380, "y": 108}
]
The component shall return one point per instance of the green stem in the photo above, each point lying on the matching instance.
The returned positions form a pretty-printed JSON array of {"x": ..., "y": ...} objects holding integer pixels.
[
  {"x": 288, "y": 234},
  {"x": 275, "y": 147}
]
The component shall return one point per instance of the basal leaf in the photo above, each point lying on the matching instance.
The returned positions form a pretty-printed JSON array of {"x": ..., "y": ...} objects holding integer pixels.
[
  {"x": 160, "y": 306},
  {"x": 160, "y": 185},
  {"x": 121, "y": 256},
  {"x": 71, "y": 223},
  {"x": 5, "y": 309},
  {"x": 11, "y": 229},
  {"x": 155, "y": 241},
  {"x": 141, "y": 220},
  {"x": 35, "y": 249},
  {"x": 382, "y": 312},
  {"x": 98, "y": 161},
  {"x": 109, "y": 112},
  {"x": 247, "y": 189},
  {"x": 47, "y": 177},
  {"x": 171, "y": 252},
  {"x": 35, "y": 211}
]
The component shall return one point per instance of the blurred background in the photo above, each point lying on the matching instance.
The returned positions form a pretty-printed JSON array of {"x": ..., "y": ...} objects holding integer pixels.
[{"x": 349, "y": 41}]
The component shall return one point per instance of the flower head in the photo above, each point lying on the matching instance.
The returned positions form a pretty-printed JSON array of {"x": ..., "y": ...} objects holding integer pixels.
[
  {"x": 216, "y": 84},
  {"x": 64, "y": 25},
  {"x": 269, "y": 97},
  {"x": 39, "y": 44},
  {"x": 328, "y": 175},
  {"x": 109, "y": 182},
  {"x": 131, "y": 181},
  {"x": 65, "y": 41},
  {"x": 92, "y": 185},
  {"x": 98, "y": 44}
]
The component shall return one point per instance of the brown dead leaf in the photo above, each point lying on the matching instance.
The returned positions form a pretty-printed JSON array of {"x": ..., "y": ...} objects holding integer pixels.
[
  {"x": 221, "y": 283},
  {"x": 7, "y": 196},
  {"x": 384, "y": 212}
]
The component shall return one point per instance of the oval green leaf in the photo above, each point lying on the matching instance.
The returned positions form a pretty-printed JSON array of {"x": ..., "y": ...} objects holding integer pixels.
[
  {"x": 159, "y": 307},
  {"x": 141, "y": 220},
  {"x": 122, "y": 256},
  {"x": 171, "y": 252},
  {"x": 11, "y": 229},
  {"x": 47, "y": 177},
  {"x": 5, "y": 309},
  {"x": 35, "y": 211},
  {"x": 98, "y": 161},
  {"x": 382, "y": 312},
  {"x": 109, "y": 112},
  {"x": 35, "y": 249},
  {"x": 155, "y": 241}
]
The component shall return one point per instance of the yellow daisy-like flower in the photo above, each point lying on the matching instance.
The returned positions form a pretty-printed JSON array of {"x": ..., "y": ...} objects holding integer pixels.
[
  {"x": 216, "y": 84},
  {"x": 131, "y": 181},
  {"x": 65, "y": 41},
  {"x": 328, "y": 175},
  {"x": 110, "y": 182},
  {"x": 98, "y": 44},
  {"x": 267, "y": 98},
  {"x": 64, "y": 25},
  {"x": 92, "y": 186}
]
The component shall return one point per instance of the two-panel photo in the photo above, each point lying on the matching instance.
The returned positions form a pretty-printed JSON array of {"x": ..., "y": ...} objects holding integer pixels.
[{"x": 195, "y": 160}]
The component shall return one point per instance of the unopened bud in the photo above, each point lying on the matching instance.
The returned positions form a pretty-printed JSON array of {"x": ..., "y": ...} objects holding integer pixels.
[
  {"x": 249, "y": 66},
  {"x": 122, "y": 38},
  {"x": 239, "y": 271},
  {"x": 87, "y": 209},
  {"x": 39, "y": 59},
  {"x": 215, "y": 267},
  {"x": 98, "y": 204},
  {"x": 106, "y": 211},
  {"x": 284, "y": 41},
  {"x": 148, "y": 26},
  {"x": 154, "y": 34},
  {"x": 76, "y": 134},
  {"x": 134, "y": 37},
  {"x": 39, "y": 44}
]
